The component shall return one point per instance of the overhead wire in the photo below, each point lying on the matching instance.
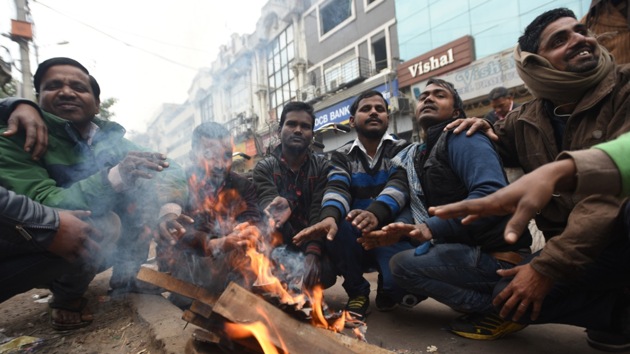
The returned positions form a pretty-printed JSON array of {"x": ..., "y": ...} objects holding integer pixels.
[{"x": 121, "y": 40}]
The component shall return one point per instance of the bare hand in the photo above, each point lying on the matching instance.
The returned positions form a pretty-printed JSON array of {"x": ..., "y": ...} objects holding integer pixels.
[
  {"x": 244, "y": 236},
  {"x": 170, "y": 228},
  {"x": 378, "y": 238},
  {"x": 524, "y": 198},
  {"x": 279, "y": 211},
  {"x": 473, "y": 125},
  {"x": 363, "y": 220},
  {"x": 420, "y": 232},
  {"x": 75, "y": 238},
  {"x": 528, "y": 288},
  {"x": 312, "y": 275},
  {"x": 139, "y": 164},
  {"x": 28, "y": 118},
  {"x": 327, "y": 227}
]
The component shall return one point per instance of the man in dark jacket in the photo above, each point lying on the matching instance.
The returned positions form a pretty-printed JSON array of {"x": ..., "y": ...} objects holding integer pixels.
[
  {"x": 455, "y": 264},
  {"x": 290, "y": 184},
  {"x": 582, "y": 99},
  {"x": 502, "y": 103}
]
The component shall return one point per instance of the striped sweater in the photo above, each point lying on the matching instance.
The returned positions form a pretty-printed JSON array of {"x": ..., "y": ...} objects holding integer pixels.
[{"x": 353, "y": 184}]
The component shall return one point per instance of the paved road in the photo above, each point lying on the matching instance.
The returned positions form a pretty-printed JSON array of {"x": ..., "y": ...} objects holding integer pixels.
[{"x": 413, "y": 330}]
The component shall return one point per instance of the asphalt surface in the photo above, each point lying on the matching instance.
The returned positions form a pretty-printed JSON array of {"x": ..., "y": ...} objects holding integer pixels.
[{"x": 416, "y": 330}]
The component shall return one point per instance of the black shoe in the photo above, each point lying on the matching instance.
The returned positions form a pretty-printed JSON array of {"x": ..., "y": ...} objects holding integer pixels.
[
  {"x": 483, "y": 326},
  {"x": 384, "y": 302},
  {"x": 358, "y": 307},
  {"x": 606, "y": 341}
]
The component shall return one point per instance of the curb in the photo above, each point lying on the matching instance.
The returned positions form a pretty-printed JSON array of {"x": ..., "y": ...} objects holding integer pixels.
[{"x": 165, "y": 321}]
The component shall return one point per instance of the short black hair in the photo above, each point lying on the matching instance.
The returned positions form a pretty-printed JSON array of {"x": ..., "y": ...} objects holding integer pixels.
[
  {"x": 42, "y": 69},
  {"x": 297, "y": 106},
  {"x": 530, "y": 40},
  {"x": 209, "y": 130},
  {"x": 498, "y": 92},
  {"x": 364, "y": 95},
  {"x": 458, "y": 104}
]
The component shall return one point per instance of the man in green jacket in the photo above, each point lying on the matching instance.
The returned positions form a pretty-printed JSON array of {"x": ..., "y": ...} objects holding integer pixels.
[{"x": 89, "y": 165}]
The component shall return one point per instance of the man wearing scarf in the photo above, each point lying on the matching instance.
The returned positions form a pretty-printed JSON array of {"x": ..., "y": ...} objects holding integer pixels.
[{"x": 582, "y": 98}]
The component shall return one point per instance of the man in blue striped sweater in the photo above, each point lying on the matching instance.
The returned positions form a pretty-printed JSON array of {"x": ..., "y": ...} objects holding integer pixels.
[{"x": 364, "y": 192}]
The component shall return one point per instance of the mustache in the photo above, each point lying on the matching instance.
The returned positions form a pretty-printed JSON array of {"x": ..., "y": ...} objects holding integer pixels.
[
  {"x": 374, "y": 119},
  {"x": 574, "y": 52}
]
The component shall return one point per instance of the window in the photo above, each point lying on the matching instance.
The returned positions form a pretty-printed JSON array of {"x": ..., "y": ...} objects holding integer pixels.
[
  {"x": 280, "y": 78},
  {"x": 334, "y": 12},
  {"x": 207, "y": 109}
]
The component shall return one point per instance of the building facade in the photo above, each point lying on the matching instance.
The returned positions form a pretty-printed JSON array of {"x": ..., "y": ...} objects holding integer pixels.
[{"x": 326, "y": 52}]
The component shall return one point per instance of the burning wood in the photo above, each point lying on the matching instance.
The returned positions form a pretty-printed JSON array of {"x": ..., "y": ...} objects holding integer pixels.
[{"x": 243, "y": 314}]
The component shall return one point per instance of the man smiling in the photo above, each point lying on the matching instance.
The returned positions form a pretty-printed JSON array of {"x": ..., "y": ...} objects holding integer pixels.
[{"x": 581, "y": 99}]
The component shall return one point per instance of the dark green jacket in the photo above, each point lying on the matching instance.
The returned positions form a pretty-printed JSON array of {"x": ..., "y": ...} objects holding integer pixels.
[{"x": 72, "y": 174}]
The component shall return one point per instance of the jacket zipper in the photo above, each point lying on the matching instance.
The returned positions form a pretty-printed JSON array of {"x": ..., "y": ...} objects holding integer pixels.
[{"x": 23, "y": 232}]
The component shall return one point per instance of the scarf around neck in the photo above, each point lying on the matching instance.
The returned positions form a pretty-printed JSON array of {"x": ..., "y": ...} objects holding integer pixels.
[{"x": 560, "y": 87}]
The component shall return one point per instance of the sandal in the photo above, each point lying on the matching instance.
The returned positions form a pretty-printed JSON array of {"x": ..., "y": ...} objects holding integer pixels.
[{"x": 85, "y": 318}]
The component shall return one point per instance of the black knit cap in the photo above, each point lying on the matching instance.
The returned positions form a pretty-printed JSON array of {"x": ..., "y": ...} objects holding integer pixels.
[{"x": 47, "y": 64}]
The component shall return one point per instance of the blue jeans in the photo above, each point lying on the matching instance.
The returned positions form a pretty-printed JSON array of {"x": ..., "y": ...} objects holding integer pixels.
[
  {"x": 351, "y": 261},
  {"x": 460, "y": 276}
]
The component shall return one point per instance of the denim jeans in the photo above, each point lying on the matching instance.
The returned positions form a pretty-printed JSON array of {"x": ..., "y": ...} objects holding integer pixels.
[
  {"x": 351, "y": 260},
  {"x": 460, "y": 276}
]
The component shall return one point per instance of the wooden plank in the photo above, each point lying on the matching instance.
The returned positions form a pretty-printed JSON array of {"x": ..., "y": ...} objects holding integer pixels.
[
  {"x": 240, "y": 306},
  {"x": 201, "y": 308},
  {"x": 175, "y": 285}
]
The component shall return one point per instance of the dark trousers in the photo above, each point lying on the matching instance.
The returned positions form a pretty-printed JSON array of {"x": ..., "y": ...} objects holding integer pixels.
[
  {"x": 25, "y": 265},
  {"x": 589, "y": 301},
  {"x": 351, "y": 261}
]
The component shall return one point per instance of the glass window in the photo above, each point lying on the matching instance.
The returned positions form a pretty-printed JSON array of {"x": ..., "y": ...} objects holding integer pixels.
[
  {"x": 334, "y": 12},
  {"x": 279, "y": 75}
]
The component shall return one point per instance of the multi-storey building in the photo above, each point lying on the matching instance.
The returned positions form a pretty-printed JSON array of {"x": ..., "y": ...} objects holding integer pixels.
[{"x": 327, "y": 52}]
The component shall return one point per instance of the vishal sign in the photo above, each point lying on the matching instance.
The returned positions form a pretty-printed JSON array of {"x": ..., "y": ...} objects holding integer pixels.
[
  {"x": 423, "y": 67},
  {"x": 446, "y": 58}
]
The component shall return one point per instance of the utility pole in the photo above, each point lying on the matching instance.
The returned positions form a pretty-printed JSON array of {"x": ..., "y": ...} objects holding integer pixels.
[{"x": 22, "y": 33}]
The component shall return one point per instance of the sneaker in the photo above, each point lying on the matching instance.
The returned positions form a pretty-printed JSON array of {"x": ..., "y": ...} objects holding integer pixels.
[
  {"x": 606, "y": 341},
  {"x": 384, "y": 302},
  {"x": 358, "y": 307},
  {"x": 483, "y": 326}
]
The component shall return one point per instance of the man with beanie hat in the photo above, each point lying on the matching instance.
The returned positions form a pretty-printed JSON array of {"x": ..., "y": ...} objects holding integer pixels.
[
  {"x": 582, "y": 98},
  {"x": 89, "y": 166}
]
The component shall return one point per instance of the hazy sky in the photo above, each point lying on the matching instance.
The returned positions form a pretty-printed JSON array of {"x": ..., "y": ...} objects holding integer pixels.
[{"x": 142, "y": 52}]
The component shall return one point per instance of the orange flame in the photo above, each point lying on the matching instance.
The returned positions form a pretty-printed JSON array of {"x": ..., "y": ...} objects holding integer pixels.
[{"x": 258, "y": 330}]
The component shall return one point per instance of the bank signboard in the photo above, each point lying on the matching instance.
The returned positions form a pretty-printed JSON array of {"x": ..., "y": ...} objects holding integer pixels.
[{"x": 340, "y": 112}]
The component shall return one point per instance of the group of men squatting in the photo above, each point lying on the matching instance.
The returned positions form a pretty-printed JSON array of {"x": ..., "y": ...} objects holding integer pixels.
[{"x": 77, "y": 198}]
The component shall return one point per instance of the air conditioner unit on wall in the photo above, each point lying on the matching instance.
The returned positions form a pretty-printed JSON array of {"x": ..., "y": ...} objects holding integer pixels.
[{"x": 310, "y": 92}]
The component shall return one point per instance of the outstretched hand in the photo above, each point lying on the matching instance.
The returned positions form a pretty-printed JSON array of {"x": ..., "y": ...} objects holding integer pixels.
[
  {"x": 325, "y": 228},
  {"x": 27, "y": 117},
  {"x": 141, "y": 164},
  {"x": 363, "y": 220},
  {"x": 171, "y": 227},
  {"x": 524, "y": 198},
  {"x": 279, "y": 211}
]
